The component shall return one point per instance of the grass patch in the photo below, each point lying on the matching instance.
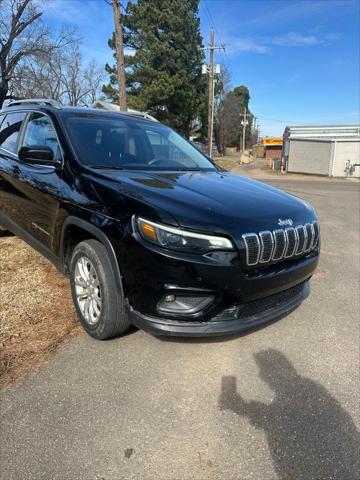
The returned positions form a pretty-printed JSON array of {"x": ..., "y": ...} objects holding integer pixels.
[
  {"x": 36, "y": 310},
  {"x": 226, "y": 162}
]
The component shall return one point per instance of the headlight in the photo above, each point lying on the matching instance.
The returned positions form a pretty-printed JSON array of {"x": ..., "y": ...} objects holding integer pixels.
[{"x": 180, "y": 240}]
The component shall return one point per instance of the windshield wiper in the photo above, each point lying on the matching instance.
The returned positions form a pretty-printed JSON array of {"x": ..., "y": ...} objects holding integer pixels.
[
  {"x": 107, "y": 167},
  {"x": 186, "y": 169}
]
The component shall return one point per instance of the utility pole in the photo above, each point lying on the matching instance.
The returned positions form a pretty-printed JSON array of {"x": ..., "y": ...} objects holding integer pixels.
[
  {"x": 119, "y": 55},
  {"x": 211, "y": 86},
  {"x": 210, "y": 96},
  {"x": 244, "y": 122}
]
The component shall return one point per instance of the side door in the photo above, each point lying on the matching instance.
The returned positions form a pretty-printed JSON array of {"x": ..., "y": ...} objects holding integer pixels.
[
  {"x": 39, "y": 186},
  {"x": 10, "y": 126}
]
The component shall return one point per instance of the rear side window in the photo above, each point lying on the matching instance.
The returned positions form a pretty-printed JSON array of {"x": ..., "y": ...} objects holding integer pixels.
[{"x": 10, "y": 126}]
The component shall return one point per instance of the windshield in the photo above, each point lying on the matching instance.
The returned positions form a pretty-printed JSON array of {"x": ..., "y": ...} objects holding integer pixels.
[{"x": 116, "y": 142}]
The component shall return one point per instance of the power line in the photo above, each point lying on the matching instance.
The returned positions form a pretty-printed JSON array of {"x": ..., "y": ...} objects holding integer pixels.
[
  {"x": 212, "y": 23},
  {"x": 109, "y": 2}
]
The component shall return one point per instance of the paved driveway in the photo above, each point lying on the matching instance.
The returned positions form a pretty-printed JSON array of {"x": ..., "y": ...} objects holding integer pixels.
[{"x": 279, "y": 403}]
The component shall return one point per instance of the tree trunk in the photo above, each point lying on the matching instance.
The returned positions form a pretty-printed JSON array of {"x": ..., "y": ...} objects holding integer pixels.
[{"x": 4, "y": 88}]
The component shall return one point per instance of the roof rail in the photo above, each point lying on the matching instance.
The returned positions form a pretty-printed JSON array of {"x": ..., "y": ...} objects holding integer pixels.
[{"x": 36, "y": 101}]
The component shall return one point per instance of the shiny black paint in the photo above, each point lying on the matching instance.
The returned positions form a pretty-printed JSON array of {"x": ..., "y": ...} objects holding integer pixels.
[{"x": 103, "y": 203}]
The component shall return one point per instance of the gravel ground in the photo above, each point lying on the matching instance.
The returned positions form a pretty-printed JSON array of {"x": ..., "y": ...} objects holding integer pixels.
[{"x": 279, "y": 403}]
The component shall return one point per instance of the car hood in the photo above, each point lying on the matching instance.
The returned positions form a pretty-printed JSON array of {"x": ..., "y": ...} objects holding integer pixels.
[{"x": 211, "y": 201}]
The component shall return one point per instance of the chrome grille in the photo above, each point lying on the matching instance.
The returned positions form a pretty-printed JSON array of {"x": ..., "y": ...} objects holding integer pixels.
[{"x": 280, "y": 244}]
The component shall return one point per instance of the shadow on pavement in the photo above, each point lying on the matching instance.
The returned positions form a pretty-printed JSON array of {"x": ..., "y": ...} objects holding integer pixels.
[{"x": 309, "y": 434}]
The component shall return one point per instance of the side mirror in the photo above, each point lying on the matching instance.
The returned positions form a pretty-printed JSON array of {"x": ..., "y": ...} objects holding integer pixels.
[{"x": 37, "y": 155}]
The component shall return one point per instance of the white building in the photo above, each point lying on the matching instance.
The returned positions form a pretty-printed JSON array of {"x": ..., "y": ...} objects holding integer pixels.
[
  {"x": 112, "y": 107},
  {"x": 332, "y": 150}
]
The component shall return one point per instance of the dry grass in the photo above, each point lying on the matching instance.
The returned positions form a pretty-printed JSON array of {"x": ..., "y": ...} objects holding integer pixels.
[
  {"x": 227, "y": 163},
  {"x": 36, "y": 310}
]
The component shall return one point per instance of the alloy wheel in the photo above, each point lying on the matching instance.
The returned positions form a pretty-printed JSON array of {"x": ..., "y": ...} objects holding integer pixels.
[{"x": 88, "y": 291}]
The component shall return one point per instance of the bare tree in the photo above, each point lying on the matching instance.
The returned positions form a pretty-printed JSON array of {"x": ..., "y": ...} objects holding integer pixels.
[
  {"x": 223, "y": 109},
  {"x": 32, "y": 60},
  {"x": 228, "y": 122},
  {"x": 81, "y": 85},
  {"x": 93, "y": 78},
  {"x": 21, "y": 35},
  {"x": 229, "y": 111},
  {"x": 59, "y": 74},
  {"x": 38, "y": 77}
]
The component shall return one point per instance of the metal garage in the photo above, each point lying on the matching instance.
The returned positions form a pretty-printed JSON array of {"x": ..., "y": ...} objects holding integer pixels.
[{"x": 323, "y": 150}]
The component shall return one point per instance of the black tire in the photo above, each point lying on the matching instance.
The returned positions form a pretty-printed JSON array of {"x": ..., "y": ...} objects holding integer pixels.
[
  {"x": 3, "y": 231},
  {"x": 112, "y": 320}
]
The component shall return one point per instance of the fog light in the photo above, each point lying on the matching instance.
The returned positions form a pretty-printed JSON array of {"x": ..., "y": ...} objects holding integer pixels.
[
  {"x": 184, "y": 304},
  {"x": 169, "y": 298}
]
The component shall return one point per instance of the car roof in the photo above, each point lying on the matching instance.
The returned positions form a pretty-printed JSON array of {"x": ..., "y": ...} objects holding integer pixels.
[{"x": 65, "y": 111}]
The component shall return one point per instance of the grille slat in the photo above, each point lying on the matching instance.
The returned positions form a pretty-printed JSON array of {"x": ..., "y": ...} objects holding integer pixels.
[
  {"x": 267, "y": 246},
  {"x": 291, "y": 242},
  {"x": 316, "y": 234},
  {"x": 252, "y": 243},
  {"x": 301, "y": 239},
  {"x": 281, "y": 244},
  {"x": 309, "y": 236}
]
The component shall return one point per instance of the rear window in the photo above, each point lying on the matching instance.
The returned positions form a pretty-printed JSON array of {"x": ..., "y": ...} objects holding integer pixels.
[{"x": 10, "y": 125}]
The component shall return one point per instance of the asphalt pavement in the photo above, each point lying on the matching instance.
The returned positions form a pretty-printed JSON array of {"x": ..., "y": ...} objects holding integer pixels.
[{"x": 281, "y": 402}]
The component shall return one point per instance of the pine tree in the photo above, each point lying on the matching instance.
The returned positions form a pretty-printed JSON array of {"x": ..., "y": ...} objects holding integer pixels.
[{"x": 164, "y": 74}]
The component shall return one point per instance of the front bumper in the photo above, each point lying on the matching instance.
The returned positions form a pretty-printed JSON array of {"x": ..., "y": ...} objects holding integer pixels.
[
  {"x": 237, "y": 319},
  {"x": 150, "y": 276}
]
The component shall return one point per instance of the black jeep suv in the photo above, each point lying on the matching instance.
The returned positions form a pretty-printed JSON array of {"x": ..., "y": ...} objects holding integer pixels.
[{"x": 149, "y": 230}]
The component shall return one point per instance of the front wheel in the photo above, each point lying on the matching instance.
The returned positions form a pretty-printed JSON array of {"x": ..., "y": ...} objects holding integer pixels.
[{"x": 99, "y": 304}]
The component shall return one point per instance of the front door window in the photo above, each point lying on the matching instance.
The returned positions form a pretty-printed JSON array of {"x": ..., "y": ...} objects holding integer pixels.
[{"x": 40, "y": 132}]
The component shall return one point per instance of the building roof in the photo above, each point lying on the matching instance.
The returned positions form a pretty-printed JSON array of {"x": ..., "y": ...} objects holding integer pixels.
[
  {"x": 330, "y": 139},
  {"x": 322, "y": 126},
  {"x": 112, "y": 107},
  {"x": 322, "y": 131}
]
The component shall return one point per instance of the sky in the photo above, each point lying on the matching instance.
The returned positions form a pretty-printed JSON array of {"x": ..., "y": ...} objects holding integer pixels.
[{"x": 299, "y": 59}]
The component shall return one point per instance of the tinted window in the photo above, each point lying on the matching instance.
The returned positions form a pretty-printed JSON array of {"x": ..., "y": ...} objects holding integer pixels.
[
  {"x": 9, "y": 130},
  {"x": 40, "y": 132},
  {"x": 165, "y": 147},
  {"x": 115, "y": 141}
]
